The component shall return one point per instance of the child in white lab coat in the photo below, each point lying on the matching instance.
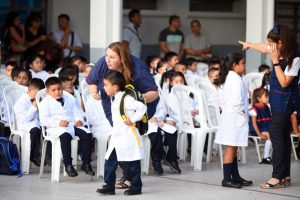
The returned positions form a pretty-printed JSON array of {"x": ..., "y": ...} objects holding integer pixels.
[
  {"x": 62, "y": 118},
  {"x": 125, "y": 141},
  {"x": 233, "y": 127},
  {"x": 35, "y": 65},
  {"x": 26, "y": 114}
]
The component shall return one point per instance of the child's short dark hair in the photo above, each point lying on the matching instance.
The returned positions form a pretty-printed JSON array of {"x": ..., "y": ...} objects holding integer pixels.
[
  {"x": 170, "y": 55},
  {"x": 258, "y": 92},
  {"x": 26, "y": 72},
  {"x": 37, "y": 83},
  {"x": 11, "y": 63},
  {"x": 263, "y": 67},
  {"x": 116, "y": 78},
  {"x": 52, "y": 81},
  {"x": 160, "y": 64},
  {"x": 213, "y": 61},
  {"x": 211, "y": 71},
  {"x": 15, "y": 72},
  {"x": 189, "y": 61}
]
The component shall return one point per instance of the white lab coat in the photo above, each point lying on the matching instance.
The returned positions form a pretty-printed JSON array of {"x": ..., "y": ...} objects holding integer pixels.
[
  {"x": 26, "y": 114},
  {"x": 41, "y": 75},
  {"x": 52, "y": 112},
  {"x": 233, "y": 127},
  {"x": 96, "y": 116},
  {"x": 122, "y": 137}
]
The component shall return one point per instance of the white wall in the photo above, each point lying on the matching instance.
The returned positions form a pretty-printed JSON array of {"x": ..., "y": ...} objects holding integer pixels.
[{"x": 79, "y": 12}]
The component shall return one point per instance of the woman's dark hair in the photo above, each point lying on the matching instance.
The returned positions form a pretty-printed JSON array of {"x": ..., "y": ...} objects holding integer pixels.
[
  {"x": 257, "y": 93},
  {"x": 70, "y": 70},
  {"x": 289, "y": 44},
  {"x": 33, "y": 16},
  {"x": 227, "y": 65},
  {"x": 37, "y": 83},
  {"x": 9, "y": 22},
  {"x": 116, "y": 78},
  {"x": 31, "y": 59}
]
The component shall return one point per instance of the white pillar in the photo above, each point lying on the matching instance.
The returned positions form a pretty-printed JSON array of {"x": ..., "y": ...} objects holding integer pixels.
[
  {"x": 105, "y": 25},
  {"x": 259, "y": 21}
]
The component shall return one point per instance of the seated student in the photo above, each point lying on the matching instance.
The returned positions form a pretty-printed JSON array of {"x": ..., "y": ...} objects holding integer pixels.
[
  {"x": 260, "y": 120},
  {"x": 214, "y": 62},
  {"x": 27, "y": 118},
  {"x": 172, "y": 59},
  {"x": 213, "y": 75},
  {"x": 125, "y": 142},
  {"x": 191, "y": 64},
  {"x": 70, "y": 71},
  {"x": 59, "y": 114},
  {"x": 87, "y": 69},
  {"x": 9, "y": 67},
  {"x": 80, "y": 62},
  {"x": 156, "y": 138},
  {"x": 15, "y": 73},
  {"x": 180, "y": 67},
  {"x": 152, "y": 62},
  {"x": 160, "y": 69},
  {"x": 35, "y": 66},
  {"x": 24, "y": 77},
  {"x": 263, "y": 68},
  {"x": 67, "y": 86}
]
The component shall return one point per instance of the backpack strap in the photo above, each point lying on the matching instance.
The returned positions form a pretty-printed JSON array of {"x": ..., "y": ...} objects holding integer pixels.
[{"x": 124, "y": 117}]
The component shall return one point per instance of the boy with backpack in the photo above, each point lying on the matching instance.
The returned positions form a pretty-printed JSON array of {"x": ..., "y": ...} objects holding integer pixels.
[{"x": 125, "y": 140}]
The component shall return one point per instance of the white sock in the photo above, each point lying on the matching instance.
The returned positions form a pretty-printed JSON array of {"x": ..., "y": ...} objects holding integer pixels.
[{"x": 267, "y": 149}]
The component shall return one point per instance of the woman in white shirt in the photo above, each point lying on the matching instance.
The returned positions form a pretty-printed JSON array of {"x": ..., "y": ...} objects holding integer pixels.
[{"x": 233, "y": 127}]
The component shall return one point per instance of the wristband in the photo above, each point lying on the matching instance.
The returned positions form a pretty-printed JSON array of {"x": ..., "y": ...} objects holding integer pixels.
[{"x": 276, "y": 64}]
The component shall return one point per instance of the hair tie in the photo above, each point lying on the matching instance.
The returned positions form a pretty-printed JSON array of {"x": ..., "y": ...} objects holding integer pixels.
[
  {"x": 276, "y": 28},
  {"x": 226, "y": 58}
]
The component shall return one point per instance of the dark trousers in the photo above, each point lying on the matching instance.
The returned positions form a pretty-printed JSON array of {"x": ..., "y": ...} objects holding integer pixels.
[
  {"x": 157, "y": 149},
  {"x": 35, "y": 138},
  {"x": 133, "y": 167},
  {"x": 85, "y": 146},
  {"x": 281, "y": 142}
]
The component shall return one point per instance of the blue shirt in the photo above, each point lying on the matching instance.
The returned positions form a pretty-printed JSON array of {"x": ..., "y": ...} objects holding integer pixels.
[{"x": 141, "y": 79}]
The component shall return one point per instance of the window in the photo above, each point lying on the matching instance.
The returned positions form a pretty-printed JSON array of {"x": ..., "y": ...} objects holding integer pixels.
[
  {"x": 212, "y": 5},
  {"x": 140, "y": 4}
]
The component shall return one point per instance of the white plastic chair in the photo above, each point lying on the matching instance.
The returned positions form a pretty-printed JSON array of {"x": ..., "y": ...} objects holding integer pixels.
[
  {"x": 3, "y": 84},
  {"x": 202, "y": 69},
  {"x": 294, "y": 145},
  {"x": 253, "y": 80},
  {"x": 11, "y": 94},
  {"x": 186, "y": 126},
  {"x": 101, "y": 131},
  {"x": 56, "y": 148},
  {"x": 258, "y": 143},
  {"x": 145, "y": 163}
]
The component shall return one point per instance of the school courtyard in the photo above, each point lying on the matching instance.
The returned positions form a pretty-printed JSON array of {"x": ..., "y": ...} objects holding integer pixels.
[{"x": 189, "y": 184}]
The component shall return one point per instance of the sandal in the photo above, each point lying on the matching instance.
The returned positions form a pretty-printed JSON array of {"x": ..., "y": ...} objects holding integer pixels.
[
  {"x": 122, "y": 184},
  {"x": 287, "y": 181},
  {"x": 272, "y": 186}
]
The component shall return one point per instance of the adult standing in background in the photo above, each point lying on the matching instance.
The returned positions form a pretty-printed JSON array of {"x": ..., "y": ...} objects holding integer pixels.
[
  {"x": 131, "y": 33},
  {"x": 171, "y": 38},
  {"x": 197, "y": 44},
  {"x": 66, "y": 37},
  {"x": 34, "y": 34}
]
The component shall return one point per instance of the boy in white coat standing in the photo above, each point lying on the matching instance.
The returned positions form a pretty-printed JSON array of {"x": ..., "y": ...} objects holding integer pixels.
[
  {"x": 63, "y": 120},
  {"x": 125, "y": 142},
  {"x": 27, "y": 118}
]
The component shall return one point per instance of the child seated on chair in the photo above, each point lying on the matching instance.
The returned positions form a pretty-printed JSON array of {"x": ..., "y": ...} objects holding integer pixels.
[
  {"x": 27, "y": 119},
  {"x": 125, "y": 141},
  {"x": 260, "y": 120},
  {"x": 158, "y": 122},
  {"x": 62, "y": 118},
  {"x": 9, "y": 67}
]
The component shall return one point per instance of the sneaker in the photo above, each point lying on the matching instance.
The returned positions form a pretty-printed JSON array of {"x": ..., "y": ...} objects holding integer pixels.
[
  {"x": 267, "y": 161},
  {"x": 157, "y": 168},
  {"x": 174, "y": 166}
]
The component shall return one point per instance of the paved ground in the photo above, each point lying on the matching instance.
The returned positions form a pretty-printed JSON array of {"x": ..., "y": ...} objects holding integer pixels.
[{"x": 189, "y": 185}]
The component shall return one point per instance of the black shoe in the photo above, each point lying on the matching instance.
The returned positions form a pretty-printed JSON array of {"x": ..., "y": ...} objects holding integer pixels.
[
  {"x": 174, "y": 166},
  {"x": 87, "y": 168},
  {"x": 231, "y": 184},
  {"x": 36, "y": 161},
  {"x": 243, "y": 182},
  {"x": 132, "y": 192},
  {"x": 267, "y": 161},
  {"x": 157, "y": 168},
  {"x": 71, "y": 171},
  {"x": 106, "y": 190}
]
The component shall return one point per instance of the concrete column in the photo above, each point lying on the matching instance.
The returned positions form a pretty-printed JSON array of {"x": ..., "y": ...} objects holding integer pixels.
[
  {"x": 105, "y": 25},
  {"x": 259, "y": 21}
]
